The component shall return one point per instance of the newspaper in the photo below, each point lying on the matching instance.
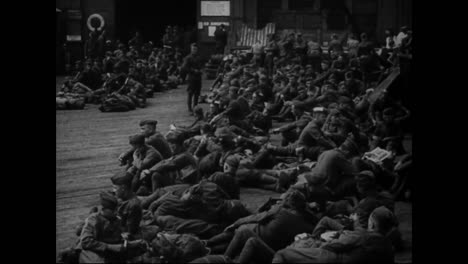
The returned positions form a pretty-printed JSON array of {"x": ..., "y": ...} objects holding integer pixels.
[{"x": 377, "y": 155}]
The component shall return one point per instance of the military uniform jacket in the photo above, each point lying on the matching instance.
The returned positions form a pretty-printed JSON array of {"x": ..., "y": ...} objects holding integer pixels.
[
  {"x": 192, "y": 65},
  {"x": 159, "y": 142},
  {"x": 184, "y": 164},
  {"x": 300, "y": 123},
  {"x": 99, "y": 231},
  {"x": 131, "y": 212},
  {"x": 146, "y": 157},
  {"x": 312, "y": 136}
]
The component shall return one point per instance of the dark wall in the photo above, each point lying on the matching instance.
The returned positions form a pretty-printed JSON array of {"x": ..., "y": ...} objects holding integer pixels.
[{"x": 151, "y": 17}]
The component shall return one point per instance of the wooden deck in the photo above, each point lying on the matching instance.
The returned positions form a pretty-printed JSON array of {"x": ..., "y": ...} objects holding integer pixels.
[{"x": 88, "y": 143}]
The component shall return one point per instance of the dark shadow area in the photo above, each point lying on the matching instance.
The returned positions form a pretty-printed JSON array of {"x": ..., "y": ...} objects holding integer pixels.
[{"x": 151, "y": 17}]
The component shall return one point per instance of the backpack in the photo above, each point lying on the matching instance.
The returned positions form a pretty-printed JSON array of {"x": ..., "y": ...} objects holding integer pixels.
[{"x": 178, "y": 247}]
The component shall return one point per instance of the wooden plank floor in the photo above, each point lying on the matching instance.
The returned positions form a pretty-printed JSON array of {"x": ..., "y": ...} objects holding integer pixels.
[{"x": 88, "y": 143}]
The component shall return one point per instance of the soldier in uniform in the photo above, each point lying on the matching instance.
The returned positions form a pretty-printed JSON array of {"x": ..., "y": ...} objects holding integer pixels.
[
  {"x": 311, "y": 142},
  {"x": 192, "y": 66},
  {"x": 152, "y": 138},
  {"x": 101, "y": 237},
  {"x": 144, "y": 157},
  {"x": 129, "y": 209},
  {"x": 290, "y": 132},
  {"x": 180, "y": 168}
]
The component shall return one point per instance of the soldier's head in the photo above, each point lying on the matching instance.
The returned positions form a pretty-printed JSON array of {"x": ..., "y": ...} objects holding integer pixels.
[
  {"x": 325, "y": 65},
  {"x": 365, "y": 182},
  {"x": 233, "y": 92},
  {"x": 198, "y": 110},
  {"x": 137, "y": 141},
  {"x": 320, "y": 114},
  {"x": 175, "y": 141},
  {"x": 194, "y": 48},
  {"x": 148, "y": 127},
  {"x": 294, "y": 199},
  {"x": 109, "y": 204},
  {"x": 121, "y": 184},
  {"x": 381, "y": 220}
]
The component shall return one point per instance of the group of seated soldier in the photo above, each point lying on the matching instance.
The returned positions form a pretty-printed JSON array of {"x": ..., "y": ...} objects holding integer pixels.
[
  {"x": 123, "y": 79},
  {"x": 177, "y": 199}
]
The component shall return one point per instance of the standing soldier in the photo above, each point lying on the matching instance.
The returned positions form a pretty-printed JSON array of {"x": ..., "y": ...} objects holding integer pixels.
[{"x": 192, "y": 66}]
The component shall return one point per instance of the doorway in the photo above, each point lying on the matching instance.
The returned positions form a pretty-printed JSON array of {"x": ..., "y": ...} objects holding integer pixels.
[{"x": 151, "y": 17}]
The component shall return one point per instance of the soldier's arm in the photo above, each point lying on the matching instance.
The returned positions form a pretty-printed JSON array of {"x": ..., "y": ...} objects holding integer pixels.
[
  {"x": 126, "y": 155},
  {"x": 344, "y": 243},
  {"x": 171, "y": 164},
  {"x": 152, "y": 158},
  {"x": 89, "y": 237},
  {"x": 287, "y": 127}
]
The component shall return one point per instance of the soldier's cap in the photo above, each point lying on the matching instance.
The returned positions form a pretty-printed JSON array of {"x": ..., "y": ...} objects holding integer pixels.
[
  {"x": 148, "y": 122},
  {"x": 370, "y": 90},
  {"x": 299, "y": 33},
  {"x": 389, "y": 112},
  {"x": 194, "y": 45},
  {"x": 320, "y": 110},
  {"x": 174, "y": 137},
  {"x": 138, "y": 139},
  {"x": 108, "y": 200},
  {"x": 122, "y": 178},
  {"x": 326, "y": 62}
]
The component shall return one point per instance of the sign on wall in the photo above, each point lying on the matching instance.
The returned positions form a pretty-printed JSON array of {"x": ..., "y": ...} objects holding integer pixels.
[{"x": 215, "y": 8}]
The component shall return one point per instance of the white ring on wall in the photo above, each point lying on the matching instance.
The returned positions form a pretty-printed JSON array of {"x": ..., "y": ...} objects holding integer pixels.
[{"x": 101, "y": 20}]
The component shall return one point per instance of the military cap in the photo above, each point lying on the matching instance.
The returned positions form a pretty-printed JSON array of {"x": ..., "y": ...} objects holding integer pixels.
[
  {"x": 148, "y": 122},
  {"x": 138, "y": 139},
  {"x": 122, "y": 178},
  {"x": 319, "y": 109},
  {"x": 108, "y": 200},
  {"x": 194, "y": 45},
  {"x": 389, "y": 112}
]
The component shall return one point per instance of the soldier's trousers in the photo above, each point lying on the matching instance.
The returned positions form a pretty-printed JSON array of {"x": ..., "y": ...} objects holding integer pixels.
[
  {"x": 255, "y": 249},
  {"x": 193, "y": 89}
]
